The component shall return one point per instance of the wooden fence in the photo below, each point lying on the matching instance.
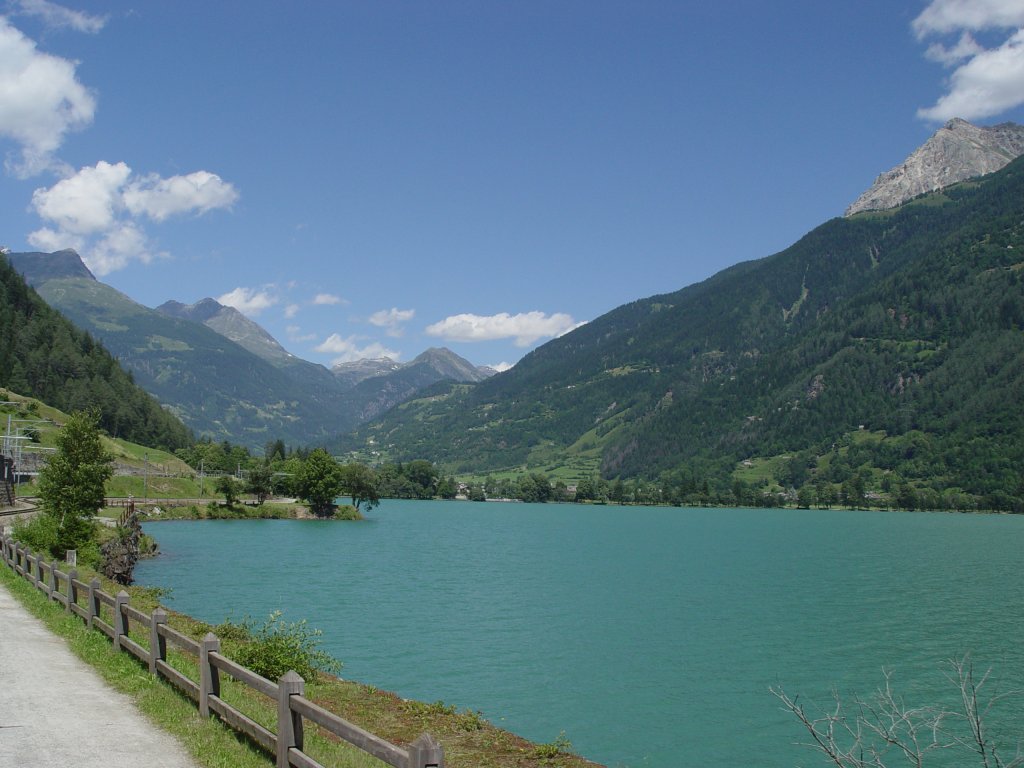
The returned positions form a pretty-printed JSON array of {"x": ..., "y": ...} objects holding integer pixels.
[{"x": 87, "y": 601}]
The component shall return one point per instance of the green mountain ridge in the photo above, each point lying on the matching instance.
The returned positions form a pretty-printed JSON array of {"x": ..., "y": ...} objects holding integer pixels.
[{"x": 906, "y": 322}]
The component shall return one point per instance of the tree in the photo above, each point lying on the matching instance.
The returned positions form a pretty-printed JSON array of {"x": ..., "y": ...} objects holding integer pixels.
[
  {"x": 883, "y": 730},
  {"x": 422, "y": 474},
  {"x": 71, "y": 483},
  {"x": 226, "y": 485},
  {"x": 360, "y": 482},
  {"x": 447, "y": 488},
  {"x": 807, "y": 496},
  {"x": 260, "y": 482},
  {"x": 319, "y": 482}
]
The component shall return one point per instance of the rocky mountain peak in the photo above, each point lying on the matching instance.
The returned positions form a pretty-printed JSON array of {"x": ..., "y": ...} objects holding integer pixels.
[
  {"x": 956, "y": 152},
  {"x": 37, "y": 267},
  {"x": 230, "y": 323}
]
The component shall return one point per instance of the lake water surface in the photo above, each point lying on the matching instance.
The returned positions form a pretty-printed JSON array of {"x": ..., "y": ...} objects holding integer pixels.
[{"x": 649, "y": 635}]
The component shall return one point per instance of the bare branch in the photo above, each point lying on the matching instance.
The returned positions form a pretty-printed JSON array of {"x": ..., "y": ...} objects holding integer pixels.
[{"x": 885, "y": 725}]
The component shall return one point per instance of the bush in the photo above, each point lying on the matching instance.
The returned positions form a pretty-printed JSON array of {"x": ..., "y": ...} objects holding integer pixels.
[
  {"x": 39, "y": 533},
  {"x": 277, "y": 646}
]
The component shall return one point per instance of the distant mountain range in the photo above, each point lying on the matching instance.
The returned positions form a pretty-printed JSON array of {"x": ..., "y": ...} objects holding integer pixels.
[
  {"x": 222, "y": 373},
  {"x": 884, "y": 349}
]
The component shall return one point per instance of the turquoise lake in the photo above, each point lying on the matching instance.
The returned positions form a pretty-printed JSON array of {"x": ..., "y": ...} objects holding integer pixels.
[{"x": 649, "y": 635}]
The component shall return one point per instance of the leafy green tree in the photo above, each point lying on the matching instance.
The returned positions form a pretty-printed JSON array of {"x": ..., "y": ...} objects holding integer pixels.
[
  {"x": 826, "y": 495},
  {"x": 319, "y": 482},
  {"x": 360, "y": 482},
  {"x": 807, "y": 496},
  {"x": 447, "y": 488},
  {"x": 260, "y": 482},
  {"x": 71, "y": 483},
  {"x": 226, "y": 485},
  {"x": 422, "y": 474}
]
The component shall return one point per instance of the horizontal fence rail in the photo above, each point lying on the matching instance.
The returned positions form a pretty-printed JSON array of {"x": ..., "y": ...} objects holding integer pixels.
[{"x": 114, "y": 616}]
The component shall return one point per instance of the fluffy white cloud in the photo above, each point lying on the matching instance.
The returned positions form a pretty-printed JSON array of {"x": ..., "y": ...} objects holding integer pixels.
[
  {"x": 118, "y": 247},
  {"x": 248, "y": 301},
  {"x": 40, "y": 101},
  {"x": 525, "y": 328},
  {"x": 95, "y": 211},
  {"x": 326, "y": 299},
  {"x": 58, "y": 17},
  {"x": 160, "y": 198},
  {"x": 986, "y": 81},
  {"x": 348, "y": 350},
  {"x": 86, "y": 203},
  {"x": 502, "y": 366},
  {"x": 392, "y": 319},
  {"x": 291, "y": 311},
  {"x": 945, "y": 16}
]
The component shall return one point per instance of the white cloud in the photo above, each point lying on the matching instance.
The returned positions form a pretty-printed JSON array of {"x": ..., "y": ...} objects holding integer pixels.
[
  {"x": 965, "y": 48},
  {"x": 291, "y": 311},
  {"x": 392, "y": 319},
  {"x": 248, "y": 301},
  {"x": 525, "y": 328},
  {"x": 295, "y": 334},
  {"x": 348, "y": 350},
  {"x": 501, "y": 367},
  {"x": 946, "y": 16},
  {"x": 986, "y": 81},
  {"x": 40, "y": 101},
  {"x": 94, "y": 211},
  {"x": 160, "y": 198},
  {"x": 327, "y": 299},
  {"x": 58, "y": 17},
  {"x": 85, "y": 203},
  {"x": 118, "y": 247}
]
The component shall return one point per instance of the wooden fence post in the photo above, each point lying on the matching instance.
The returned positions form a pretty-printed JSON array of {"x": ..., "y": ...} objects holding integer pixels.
[
  {"x": 426, "y": 752},
  {"x": 157, "y": 642},
  {"x": 289, "y": 724},
  {"x": 94, "y": 601},
  {"x": 53, "y": 577},
  {"x": 209, "y": 675},
  {"x": 72, "y": 589},
  {"x": 120, "y": 624},
  {"x": 39, "y": 570}
]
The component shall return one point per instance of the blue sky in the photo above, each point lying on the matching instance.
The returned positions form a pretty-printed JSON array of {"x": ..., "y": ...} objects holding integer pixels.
[{"x": 375, "y": 178}]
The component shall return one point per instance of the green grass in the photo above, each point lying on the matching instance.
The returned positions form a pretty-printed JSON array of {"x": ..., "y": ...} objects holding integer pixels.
[
  {"x": 157, "y": 487},
  {"x": 757, "y": 470}
]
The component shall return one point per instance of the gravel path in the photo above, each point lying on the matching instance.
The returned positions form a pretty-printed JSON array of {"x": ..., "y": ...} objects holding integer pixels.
[{"x": 55, "y": 711}]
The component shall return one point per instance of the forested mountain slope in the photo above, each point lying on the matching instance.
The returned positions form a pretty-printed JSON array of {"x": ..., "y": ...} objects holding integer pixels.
[
  {"x": 907, "y": 321},
  {"x": 43, "y": 355}
]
